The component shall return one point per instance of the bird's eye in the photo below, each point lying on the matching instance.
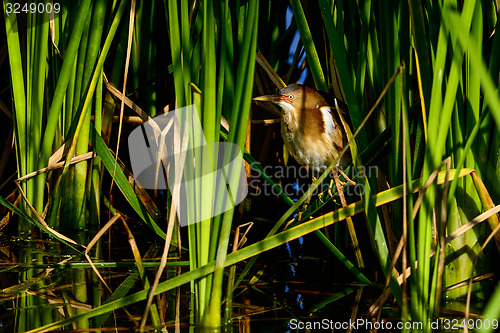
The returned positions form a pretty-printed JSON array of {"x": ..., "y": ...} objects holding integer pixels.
[{"x": 290, "y": 97}]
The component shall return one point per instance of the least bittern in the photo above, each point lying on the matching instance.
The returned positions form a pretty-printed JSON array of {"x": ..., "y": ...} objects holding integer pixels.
[
  {"x": 314, "y": 137},
  {"x": 309, "y": 127}
]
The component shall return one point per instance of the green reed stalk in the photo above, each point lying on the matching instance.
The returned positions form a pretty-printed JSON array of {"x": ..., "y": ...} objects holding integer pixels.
[
  {"x": 208, "y": 240},
  {"x": 28, "y": 41}
]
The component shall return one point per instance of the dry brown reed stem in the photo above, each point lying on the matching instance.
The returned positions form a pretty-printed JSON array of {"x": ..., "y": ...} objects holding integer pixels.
[
  {"x": 42, "y": 221},
  {"x": 179, "y": 165}
]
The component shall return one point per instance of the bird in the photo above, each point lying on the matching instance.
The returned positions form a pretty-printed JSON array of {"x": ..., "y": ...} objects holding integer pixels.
[{"x": 310, "y": 128}]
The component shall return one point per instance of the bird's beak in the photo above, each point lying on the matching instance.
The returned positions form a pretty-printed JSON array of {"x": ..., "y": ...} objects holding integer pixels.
[{"x": 268, "y": 98}]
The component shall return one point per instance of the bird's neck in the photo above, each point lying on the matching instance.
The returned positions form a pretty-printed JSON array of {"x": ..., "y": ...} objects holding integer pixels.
[{"x": 290, "y": 117}]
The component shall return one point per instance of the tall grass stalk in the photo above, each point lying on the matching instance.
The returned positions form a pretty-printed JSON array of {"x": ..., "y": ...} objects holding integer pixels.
[
  {"x": 209, "y": 239},
  {"x": 27, "y": 45}
]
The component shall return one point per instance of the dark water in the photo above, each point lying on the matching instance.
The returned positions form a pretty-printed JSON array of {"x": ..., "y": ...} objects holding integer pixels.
[{"x": 297, "y": 287}]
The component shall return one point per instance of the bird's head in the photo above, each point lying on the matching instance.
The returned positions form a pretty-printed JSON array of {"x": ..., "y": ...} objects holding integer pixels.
[{"x": 294, "y": 98}]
